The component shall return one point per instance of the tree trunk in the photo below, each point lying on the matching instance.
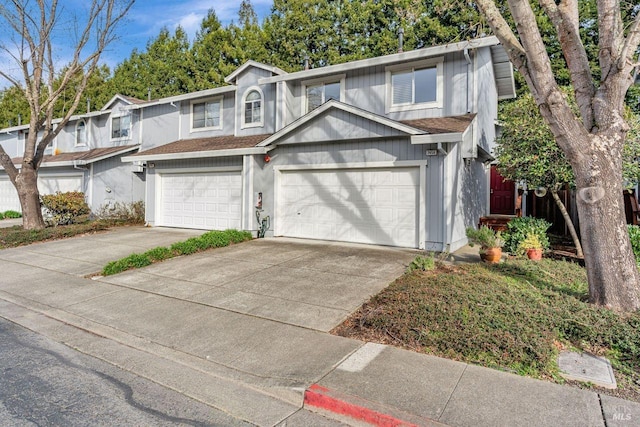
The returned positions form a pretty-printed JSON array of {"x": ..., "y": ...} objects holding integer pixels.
[
  {"x": 611, "y": 266},
  {"x": 567, "y": 220},
  {"x": 27, "y": 186}
]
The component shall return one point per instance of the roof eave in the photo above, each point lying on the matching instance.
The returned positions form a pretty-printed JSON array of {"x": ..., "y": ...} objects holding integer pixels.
[{"x": 197, "y": 154}]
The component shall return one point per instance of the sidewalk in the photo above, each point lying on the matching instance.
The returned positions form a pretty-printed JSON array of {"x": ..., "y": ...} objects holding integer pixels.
[{"x": 264, "y": 371}]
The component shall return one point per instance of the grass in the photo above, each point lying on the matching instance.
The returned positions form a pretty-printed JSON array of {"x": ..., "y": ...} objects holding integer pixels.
[
  {"x": 514, "y": 316},
  {"x": 16, "y": 236},
  {"x": 211, "y": 239}
]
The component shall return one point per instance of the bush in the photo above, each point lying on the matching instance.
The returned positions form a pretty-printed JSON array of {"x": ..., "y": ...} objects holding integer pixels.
[
  {"x": 65, "y": 208},
  {"x": 485, "y": 237},
  {"x": 12, "y": 214},
  {"x": 422, "y": 263},
  {"x": 1, "y": 215},
  {"x": 127, "y": 212},
  {"x": 132, "y": 261},
  {"x": 519, "y": 228},
  {"x": 159, "y": 254},
  {"x": 634, "y": 235}
]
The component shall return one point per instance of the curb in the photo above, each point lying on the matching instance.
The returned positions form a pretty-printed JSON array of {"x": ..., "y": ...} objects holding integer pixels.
[{"x": 349, "y": 408}]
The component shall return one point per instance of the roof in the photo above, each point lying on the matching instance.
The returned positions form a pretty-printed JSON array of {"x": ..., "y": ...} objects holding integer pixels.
[
  {"x": 191, "y": 95},
  {"x": 385, "y": 60},
  {"x": 250, "y": 63},
  {"x": 82, "y": 157},
  {"x": 435, "y": 125},
  {"x": 218, "y": 146}
]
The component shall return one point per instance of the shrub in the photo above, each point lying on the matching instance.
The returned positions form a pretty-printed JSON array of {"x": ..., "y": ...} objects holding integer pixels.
[
  {"x": 532, "y": 241},
  {"x": 519, "y": 228},
  {"x": 12, "y": 214},
  {"x": 127, "y": 212},
  {"x": 132, "y": 261},
  {"x": 485, "y": 237},
  {"x": 187, "y": 247},
  {"x": 1, "y": 215},
  {"x": 159, "y": 254},
  {"x": 634, "y": 235},
  {"x": 65, "y": 208},
  {"x": 422, "y": 263}
]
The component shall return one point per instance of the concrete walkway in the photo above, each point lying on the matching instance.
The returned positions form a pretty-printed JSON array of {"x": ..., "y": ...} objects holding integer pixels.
[
  {"x": 243, "y": 329},
  {"x": 10, "y": 222}
]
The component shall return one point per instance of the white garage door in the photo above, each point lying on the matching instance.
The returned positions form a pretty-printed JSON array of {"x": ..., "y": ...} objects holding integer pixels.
[
  {"x": 8, "y": 196},
  {"x": 378, "y": 206},
  {"x": 211, "y": 201},
  {"x": 46, "y": 185}
]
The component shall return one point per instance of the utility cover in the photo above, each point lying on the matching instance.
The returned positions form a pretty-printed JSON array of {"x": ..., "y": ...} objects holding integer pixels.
[{"x": 587, "y": 368}]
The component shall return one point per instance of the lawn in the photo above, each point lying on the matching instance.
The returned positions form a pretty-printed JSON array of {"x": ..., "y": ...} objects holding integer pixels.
[{"x": 515, "y": 316}]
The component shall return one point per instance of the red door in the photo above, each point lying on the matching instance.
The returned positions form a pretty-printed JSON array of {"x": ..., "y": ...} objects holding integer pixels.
[{"x": 503, "y": 191}]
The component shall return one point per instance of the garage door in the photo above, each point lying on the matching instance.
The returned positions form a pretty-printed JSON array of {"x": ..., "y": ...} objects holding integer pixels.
[
  {"x": 46, "y": 185},
  {"x": 378, "y": 206},
  {"x": 8, "y": 196},
  {"x": 211, "y": 201}
]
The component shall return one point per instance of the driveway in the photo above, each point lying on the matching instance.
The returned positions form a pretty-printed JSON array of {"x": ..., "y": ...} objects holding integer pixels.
[{"x": 241, "y": 328}]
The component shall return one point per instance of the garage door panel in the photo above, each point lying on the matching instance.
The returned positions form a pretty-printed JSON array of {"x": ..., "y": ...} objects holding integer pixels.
[
  {"x": 211, "y": 200},
  {"x": 376, "y": 206}
]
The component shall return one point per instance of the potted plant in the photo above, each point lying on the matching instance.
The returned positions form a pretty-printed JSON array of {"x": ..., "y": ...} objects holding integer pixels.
[
  {"x": 490, "y": 243},
  {"x": 532, "y": 246}
]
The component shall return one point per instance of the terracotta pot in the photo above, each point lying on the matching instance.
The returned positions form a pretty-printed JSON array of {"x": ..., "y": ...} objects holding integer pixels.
[
  {"x": 491, "y": 255},
  {"x": 534, "y": 254}
]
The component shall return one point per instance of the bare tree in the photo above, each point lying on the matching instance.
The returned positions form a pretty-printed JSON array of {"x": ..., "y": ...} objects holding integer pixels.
[
  {"x": 32, "y": 25},
  {"x": 593, "y": 141}
]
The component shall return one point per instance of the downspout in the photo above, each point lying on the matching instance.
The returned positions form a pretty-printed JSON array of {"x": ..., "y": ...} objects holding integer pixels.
[{"x": 468, "y": 58}]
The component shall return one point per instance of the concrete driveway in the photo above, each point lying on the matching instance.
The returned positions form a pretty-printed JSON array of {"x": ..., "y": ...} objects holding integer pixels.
[{"x": 239, "y": 328}]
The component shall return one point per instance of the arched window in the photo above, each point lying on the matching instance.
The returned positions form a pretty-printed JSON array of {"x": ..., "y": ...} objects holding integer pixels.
[
  {"x": 253, "y": 108},
  {"x": 81, "y": 133}
]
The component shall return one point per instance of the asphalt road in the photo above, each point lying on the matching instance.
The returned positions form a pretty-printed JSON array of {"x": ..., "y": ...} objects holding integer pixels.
[{"x": 44, "y": 383}]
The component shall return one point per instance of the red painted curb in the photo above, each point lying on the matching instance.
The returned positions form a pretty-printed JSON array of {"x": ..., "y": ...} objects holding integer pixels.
[{"x": 317, "y": 396}]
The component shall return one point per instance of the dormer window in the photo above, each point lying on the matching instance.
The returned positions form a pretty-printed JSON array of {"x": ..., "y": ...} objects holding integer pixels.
[
  {"x": 81, "y": 133},
  {"x": 206, "y": 114},
  {"x": 253, "y": 111},
  {"x": 318, "y": 92},
  {"x": 415, "y": 87},
  {"x": 120, "y": 127}
]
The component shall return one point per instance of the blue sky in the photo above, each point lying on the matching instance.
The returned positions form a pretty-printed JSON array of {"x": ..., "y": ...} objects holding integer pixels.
[
  {"x": 143, "y": 22},
  {"x": 147, "y": 17}
]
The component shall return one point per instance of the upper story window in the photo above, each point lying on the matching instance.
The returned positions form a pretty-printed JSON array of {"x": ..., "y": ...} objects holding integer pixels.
[
  {"x": 318, "y": 92},
  {"x": 206, "y": 115},
  {"x": 81, "y": 133},
  {"x": 414, "y": 87},
  {"x": 253, "y": 109},
  {"x": 120, "y": 127}
]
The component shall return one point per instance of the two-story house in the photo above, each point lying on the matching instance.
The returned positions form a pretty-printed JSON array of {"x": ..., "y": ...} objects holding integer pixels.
[
  {"x": 389, "y": 150},
  {"x": 85, "y": 156}
]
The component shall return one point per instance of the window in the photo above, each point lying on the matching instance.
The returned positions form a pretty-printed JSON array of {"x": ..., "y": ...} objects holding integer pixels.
[
  {"x": 81, "y": 133},
  {"x": 207, "y": 115},
  {"x": 320, "y": 93},
  {"x": 415, "y": 87},
  {"x": 252, "y": 116},
  {"x": 120, "y": 127}
]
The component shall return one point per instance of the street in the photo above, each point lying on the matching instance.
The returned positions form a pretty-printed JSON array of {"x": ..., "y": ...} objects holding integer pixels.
[{"x": 45, "y": 383}]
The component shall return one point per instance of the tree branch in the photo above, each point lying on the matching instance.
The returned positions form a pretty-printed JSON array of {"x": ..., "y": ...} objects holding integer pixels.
[
  {"x": 631, "y": 44},
  {"x": 8, "y": 165}
]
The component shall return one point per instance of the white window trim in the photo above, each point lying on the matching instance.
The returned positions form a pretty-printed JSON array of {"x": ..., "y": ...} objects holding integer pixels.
[
  {"x": 260, "y": 123},
  {"x": 86, "y": 134},
  {"x": 120, "y": 138},
  {"x": 438, "y": 103},
  {"x": 219, "y": 99},
  {"x": 324, "y": 80}
]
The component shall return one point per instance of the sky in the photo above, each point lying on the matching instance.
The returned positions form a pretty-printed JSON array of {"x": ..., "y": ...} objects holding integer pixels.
[{"x": 143, "y": 22}]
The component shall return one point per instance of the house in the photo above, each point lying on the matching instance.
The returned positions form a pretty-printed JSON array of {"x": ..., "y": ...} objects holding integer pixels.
[
  {"x": 389, "y": 150},
  {"x": 85, "y": 156}
]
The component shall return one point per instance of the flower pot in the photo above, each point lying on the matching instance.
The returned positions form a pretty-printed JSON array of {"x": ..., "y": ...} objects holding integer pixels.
[
  {"x": 534, "y": 254},
  {"x": 491, "y": 255}
]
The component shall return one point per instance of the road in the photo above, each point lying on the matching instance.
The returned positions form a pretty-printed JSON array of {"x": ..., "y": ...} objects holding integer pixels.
[{"x": 44, "y": 383}]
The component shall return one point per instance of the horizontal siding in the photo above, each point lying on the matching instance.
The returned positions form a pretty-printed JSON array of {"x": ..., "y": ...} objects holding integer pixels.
[
  {"x": 167, "y": 165},
  {"x": 123, "y": 184}
]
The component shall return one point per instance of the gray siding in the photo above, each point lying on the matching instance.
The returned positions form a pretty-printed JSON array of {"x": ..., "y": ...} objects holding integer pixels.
[
  {"x": 160, "y": 125},
  {"x": 245, "y": 81},
  {"x": 487, "y": 99},
  {"x": 113, "y": 181},
  {"x": 336, "y": 125}
]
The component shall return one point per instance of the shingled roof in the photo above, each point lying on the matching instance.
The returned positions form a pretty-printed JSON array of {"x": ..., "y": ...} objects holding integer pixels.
[
  {"x": 435, "y": 125},
  {"x": 88, "y": 156},
  {"x": 229, "y": 142}
]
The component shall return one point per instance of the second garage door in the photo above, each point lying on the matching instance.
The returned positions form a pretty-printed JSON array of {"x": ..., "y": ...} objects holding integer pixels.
[
  {"x": 377, "y": 206},
  {"x": 209, "y": 201},
  {"x": 46, "y": 185}
]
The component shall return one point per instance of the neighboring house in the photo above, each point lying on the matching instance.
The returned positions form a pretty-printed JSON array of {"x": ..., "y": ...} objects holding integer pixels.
[
  {"x": 390, "y": 150},
  {"x": 85, "y": 156}
]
